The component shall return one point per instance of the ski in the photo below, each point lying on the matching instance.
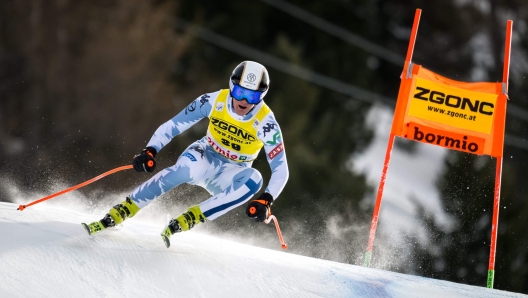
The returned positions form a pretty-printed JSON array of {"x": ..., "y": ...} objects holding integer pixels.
[
  {"x": 87, "y": 228},
  {"x": 165, "y": 240},
  {"x": 93, "y": 228}
]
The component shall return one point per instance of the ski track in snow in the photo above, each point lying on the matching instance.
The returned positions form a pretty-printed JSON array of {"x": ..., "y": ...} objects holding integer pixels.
[{"x": 45, "y": 252}]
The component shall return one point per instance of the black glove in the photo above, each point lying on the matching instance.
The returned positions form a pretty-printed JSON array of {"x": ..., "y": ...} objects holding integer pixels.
[
  {"x": 259, "y": 209},
  {"x": 145, "y": 161}
]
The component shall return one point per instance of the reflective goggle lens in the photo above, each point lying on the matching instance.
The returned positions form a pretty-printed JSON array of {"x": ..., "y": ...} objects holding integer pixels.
[{"x": 241, "y": 93}]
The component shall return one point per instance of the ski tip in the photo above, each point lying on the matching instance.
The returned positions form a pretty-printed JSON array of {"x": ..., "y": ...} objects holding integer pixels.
[
  {"x": 165, "y": 240},
  {"x": 87, "y": 228}
]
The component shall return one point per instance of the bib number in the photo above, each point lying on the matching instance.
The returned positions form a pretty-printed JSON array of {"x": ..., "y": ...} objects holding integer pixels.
[{"x": 233, "y": 145}]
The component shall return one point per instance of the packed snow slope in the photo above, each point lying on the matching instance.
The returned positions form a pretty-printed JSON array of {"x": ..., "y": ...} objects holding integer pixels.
[{"x": 45, "y": 252}]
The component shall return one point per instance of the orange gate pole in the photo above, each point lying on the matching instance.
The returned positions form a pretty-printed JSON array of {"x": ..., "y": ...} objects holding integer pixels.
[
  {"x": 498, "y": 167},
  {"x": 377, "y": 206}
]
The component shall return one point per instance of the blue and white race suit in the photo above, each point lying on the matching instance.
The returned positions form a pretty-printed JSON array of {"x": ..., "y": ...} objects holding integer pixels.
[{"x": 230, "y": 182}]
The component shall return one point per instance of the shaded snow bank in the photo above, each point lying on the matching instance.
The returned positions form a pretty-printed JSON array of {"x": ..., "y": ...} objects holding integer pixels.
[{"x": 45, "y": 252}]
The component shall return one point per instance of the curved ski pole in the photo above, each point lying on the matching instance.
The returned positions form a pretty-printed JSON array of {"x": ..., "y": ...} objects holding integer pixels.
[
  {"x": 268, "y": 220},
  {"x": 22, "y": 207}
]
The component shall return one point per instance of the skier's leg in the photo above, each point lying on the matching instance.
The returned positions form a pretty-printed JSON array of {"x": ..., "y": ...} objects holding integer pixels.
[
  {"x": 244, "y": 182},
  {"x": 186, "y": 167},
  {"x": 164, "y": 181}
]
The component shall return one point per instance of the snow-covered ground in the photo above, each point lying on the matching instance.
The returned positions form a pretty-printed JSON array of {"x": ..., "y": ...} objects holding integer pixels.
[{"x": 45, "y": 252}]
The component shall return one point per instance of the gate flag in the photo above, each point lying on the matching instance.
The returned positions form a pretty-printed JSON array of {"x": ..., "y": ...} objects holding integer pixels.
[
  {"x": 461, "y": 116},
  {"x": 468, "y": 117}
]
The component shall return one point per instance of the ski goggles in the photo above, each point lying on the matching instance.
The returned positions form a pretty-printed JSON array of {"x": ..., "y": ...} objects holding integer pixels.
[{"x": 241, "y": 93}]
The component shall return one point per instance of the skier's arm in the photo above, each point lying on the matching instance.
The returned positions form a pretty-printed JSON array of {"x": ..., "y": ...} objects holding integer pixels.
[
  {"x": 270, "y": 134},
  {"x": 196, "y": 111}
]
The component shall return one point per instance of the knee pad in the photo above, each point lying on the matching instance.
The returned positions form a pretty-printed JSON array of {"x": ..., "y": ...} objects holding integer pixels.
[
  {"x": 256, "y": 176},
  {"x": 248, "y": 174}
]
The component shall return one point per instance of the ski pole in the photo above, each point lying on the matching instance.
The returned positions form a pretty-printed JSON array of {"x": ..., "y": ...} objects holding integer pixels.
[
  {"x": 22, "y": 207},
  {"x": 268, "y": 220}
]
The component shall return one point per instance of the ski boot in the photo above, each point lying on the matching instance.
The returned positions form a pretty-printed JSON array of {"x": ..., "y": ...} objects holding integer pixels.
[
  {"x": 184, "y": 222},
  {"x": 115, "y": 216}
]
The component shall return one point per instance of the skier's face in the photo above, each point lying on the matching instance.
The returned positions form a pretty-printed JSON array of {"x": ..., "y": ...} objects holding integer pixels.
[{"x": 242, "y": 107}]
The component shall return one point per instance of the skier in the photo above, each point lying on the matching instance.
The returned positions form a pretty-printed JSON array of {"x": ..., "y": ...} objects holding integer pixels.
[{"x": 240, "y": 124}]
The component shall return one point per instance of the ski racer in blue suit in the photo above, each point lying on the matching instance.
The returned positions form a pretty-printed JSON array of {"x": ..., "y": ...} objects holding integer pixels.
[{"x": 240, "y": 124}]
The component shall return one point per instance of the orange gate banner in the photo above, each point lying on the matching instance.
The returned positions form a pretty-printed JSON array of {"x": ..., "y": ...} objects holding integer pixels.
[
  {"x": 456, "y": 115},
  {"x": 468, "y": 117}
]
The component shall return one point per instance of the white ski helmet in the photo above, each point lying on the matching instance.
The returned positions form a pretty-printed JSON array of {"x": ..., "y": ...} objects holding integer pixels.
[{"x": 250, "y": 81}]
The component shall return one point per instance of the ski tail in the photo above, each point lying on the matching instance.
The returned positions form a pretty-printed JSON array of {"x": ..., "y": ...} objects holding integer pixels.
[
  {"x": 94, "y": 227},
  {"x": 87, "y": 228},
  {"x": 166, "y": 240}
]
